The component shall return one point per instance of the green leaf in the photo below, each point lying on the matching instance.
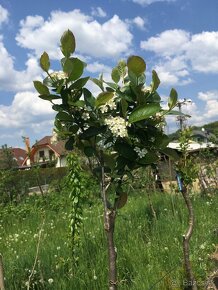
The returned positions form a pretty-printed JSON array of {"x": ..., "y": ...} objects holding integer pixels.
[
  {"x": 79, "y": 84},
  {"x": 41, "y": 88},
  {"x": 74, "y": 128},
  {"x": 125, "y": 150},
  {"x": 112, "y": 86},
  {"x": 92, "y": 131},
  {"x": 110, "y": 160},
  {"x": 175, "y": 113},
  {"x": 149, "y": 158},
  {"x": 69, "y": 144},
  {"x": 99, "y": 83},
  {"x": 155, "y": 81},
  {"x": 49, "y": 97},
  {"x": 80, "y": 104},
  {"x": 63, "y": 116},
  {"x": 171, "y": 153},
  {"x": 122, "y": 68},
  {"x": 115, "y": 75},
  {"x": 44, "y": 61},
  {"x": 172, "y": 101},
  {"x": 136, "y": 64},
  {"x": 144, "y": 112},
  {"x": 73, "y": 67},
  {"x": 133, "y": 78},
  {"x": 78, "y": 67},
  {"x": 164, "y": 141},
  {"x": 103, "y": 98},
  {"x": 124, "y": 107},
  {"x": 89, "y": 151},
  {"x": 88, "y": 97},
  {"x": 121, "y": 200},
  {"x": 58, "y": 125},
  {"x": 68, "y": 43},
  {"x": 153, "y": 98}
]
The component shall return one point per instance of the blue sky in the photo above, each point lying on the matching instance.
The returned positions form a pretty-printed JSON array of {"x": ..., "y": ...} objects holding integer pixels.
[{"x": 177, "y": 38}]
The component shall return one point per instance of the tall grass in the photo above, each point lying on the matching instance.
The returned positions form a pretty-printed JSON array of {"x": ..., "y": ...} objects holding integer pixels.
[{"x": 149, "y": 250}]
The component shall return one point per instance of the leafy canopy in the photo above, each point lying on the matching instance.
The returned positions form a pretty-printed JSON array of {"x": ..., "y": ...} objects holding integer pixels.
[{"x": 121, "y": 127}]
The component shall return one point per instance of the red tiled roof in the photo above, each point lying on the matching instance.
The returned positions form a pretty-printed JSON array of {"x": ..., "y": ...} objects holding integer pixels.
[
  {"x": 58, "y": 147},
  {"x": 18, "y": 154}
]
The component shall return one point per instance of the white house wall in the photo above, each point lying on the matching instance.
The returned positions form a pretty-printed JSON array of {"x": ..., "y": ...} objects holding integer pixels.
[
  {"x": 61, "y": 161},
  {"x": 46, "y": 154}
]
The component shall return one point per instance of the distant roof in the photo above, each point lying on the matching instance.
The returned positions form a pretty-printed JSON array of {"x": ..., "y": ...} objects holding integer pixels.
[
  {"x": 205, "y": 134},
  {"x": 192, "y": 145},
  {"x": 19, "y": 155},
  {"x": 58, "y": 147}
]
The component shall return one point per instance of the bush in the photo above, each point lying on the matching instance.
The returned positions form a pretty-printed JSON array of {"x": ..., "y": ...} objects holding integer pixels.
[{"x": 15, "y": 184}]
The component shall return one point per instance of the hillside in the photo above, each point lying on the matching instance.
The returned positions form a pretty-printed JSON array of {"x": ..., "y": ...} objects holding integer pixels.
[{"x": 210, "y": 127}]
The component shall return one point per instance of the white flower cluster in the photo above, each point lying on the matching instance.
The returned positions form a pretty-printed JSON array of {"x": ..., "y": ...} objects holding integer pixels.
[
  {"x": 59, "y": 75},
  {"x": 141, "y": 152},
  {"x": 109, "y": 105},
  {"x": 117, "y": 125},
  {"x": 85, "y": 116}
]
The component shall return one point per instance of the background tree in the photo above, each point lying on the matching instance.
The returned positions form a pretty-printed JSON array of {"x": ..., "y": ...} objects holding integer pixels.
[{"x": 7, "y": 160}]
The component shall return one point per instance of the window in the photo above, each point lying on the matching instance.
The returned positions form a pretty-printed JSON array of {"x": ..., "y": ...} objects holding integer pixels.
[
  {"x": 41, "y": 154},
  {"x": 51, "y": 155}
]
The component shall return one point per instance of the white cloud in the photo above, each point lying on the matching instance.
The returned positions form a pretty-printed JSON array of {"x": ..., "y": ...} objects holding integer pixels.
[
  {"x": 93, "y": 38},
  {"x": 209, "y": 95},
  {"x": 148, "y": 2},
  {"x": 205, "y": 112},
  {"x": 4, "y": 15},
  {"x": 26, "y": 110},
  {"x": 178, "y": 52},
  {"x": 97, "y": 67},
  {"x": 202, "y": 51},
  {"x": 167, "y": 43},
  {"x": 173, "y": 71},
  {"x": 98, "y": 12},
  {"x": 13, "y": 80},
  {"x": 211, "y": 106},
  {"x": 139, "y": 22}
]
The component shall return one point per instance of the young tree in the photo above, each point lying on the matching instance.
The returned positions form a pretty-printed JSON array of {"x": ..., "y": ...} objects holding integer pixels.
[
  {"x": 187, "y": 173},
  {"x": 121, "y": 128}
]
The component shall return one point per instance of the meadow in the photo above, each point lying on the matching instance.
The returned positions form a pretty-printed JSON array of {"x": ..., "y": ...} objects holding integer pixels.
[{"x": 35, "y": 243}]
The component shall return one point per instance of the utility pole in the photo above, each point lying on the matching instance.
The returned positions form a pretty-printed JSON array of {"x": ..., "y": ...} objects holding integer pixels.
[{"x": 182, "y": 118}]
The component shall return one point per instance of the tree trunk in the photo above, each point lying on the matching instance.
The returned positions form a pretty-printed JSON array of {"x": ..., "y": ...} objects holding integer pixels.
[
  {"x": 109, "y": 224},
  {"x": 2, "y": 287},
  {"x": 111, "y": 249},
  {"x": 191, "y": 282}
]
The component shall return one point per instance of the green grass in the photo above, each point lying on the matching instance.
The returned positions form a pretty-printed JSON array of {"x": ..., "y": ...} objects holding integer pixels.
[{"x": 149, "y": 251}]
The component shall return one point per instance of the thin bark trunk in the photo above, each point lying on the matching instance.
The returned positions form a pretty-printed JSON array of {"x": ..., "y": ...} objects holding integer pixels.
[
  {"x": 2, "y": 286},
  {"x": 191, "y": 282},
  {"x": 109, "y": 224},
  {"x": 111, "y": 251},
  {"x": 151, "y": 205}
]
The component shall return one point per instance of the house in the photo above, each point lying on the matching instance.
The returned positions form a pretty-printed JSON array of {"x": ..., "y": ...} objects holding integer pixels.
[
  {"x": 197, "y": 148},
  {"x": 45, "y": 152},
  {"x": 12, "y": 157}
]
